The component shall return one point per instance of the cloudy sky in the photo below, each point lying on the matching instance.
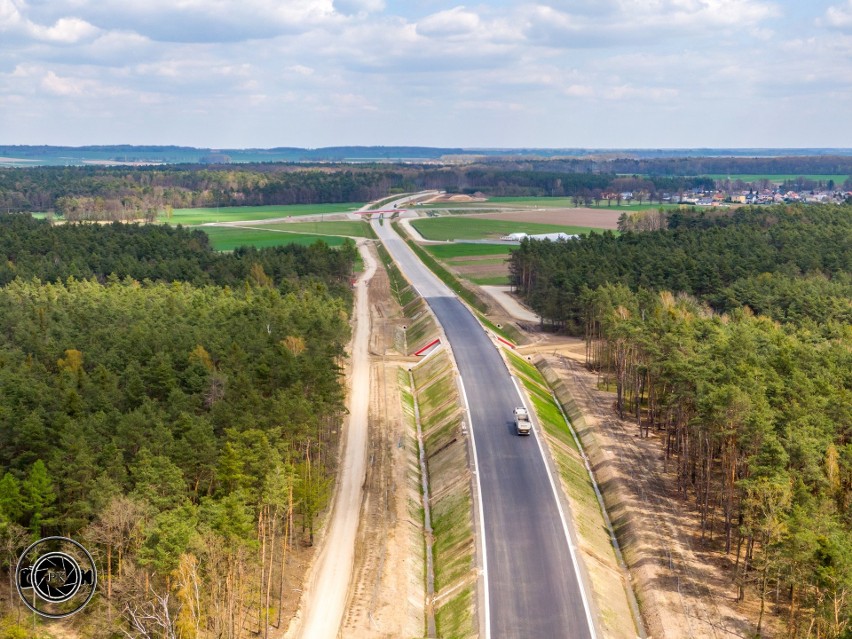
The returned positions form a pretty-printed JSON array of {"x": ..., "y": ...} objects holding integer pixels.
[{"x": 503, "y": 73}]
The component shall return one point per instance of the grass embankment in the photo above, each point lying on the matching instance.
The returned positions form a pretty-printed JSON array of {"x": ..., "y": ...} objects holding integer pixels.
[
  {"x": 442, "y": 273},
  {"x": 610, "y": 590},
  {"x": 450, "y": 503},
  {"x": 419, "y": 327}
]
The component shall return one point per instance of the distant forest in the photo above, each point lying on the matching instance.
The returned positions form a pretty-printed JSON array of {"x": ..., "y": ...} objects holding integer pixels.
[
  {"x": 144, "y": 192},
  {"x": 729, "y": 336},
  {"x": 174, "y": 409}
]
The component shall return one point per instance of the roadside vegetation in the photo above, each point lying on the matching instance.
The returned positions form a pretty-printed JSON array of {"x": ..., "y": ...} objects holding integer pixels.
[
  {"x": 587, "y": 511},
  {"x": 451, "y": 503},
  {"x": 442, "y": 273}
]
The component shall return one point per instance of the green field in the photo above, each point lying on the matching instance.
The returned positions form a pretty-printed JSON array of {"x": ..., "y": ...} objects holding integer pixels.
[
  {"x": 500, "y": 204},
  {"x": 447, "y": 251},
  {"x": 227, "y": 239},
  {"x": 463, "y": 228},
  {"x": 496, "y": 280},
  {"x": 350, "y": 228},
  {"x": 238, "y": 213}
]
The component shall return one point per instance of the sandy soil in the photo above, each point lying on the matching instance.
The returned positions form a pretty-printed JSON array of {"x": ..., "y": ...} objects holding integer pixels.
[
  {"x": 594, "y": 218},
  {"x": 510, "y": 304},
  {"x": 328, "y": 584},
  {"x": 683, "y": 584},
  {"x": 386, "y": 597}
]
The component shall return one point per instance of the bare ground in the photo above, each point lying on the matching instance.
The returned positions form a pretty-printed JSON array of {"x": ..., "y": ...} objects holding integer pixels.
[
  {"x": 387, "y": 592},
  {"x": 682, "y": 582}
]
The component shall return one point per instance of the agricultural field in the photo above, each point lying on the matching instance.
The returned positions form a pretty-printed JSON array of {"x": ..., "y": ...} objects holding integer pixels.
[
  {"x": 224, "y": 238},
  {"x": 446, "y": 251},
  {"x": 189, "y": 217},
  {"x": 467, "y": 228},
  {"x": 496, "y": 204},
  {"x": 483, "y": 264},
  {"x": 349, "y": 228}
]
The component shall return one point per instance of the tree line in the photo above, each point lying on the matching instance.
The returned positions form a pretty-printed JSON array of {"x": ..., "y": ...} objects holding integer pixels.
[
  {"x": 754, "y": 422},
  {"x": 132, "y": 193},
  {"x": 699, "y": 253},
  {"x": 728, "y": 336},
  {"x": 183, "y": 429}
]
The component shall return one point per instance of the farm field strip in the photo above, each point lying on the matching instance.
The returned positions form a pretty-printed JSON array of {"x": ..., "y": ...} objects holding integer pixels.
[
  {"x": 253, "y": 213},
  {"x": 448, "y": 251},
  {"x": 465, "y": 228},
  {"x": 227, "y": 239},
  {"x": 351, "y": 229}
]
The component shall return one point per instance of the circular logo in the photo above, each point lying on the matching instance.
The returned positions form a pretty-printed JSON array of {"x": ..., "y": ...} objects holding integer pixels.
[{"x": 56, "y": 577}]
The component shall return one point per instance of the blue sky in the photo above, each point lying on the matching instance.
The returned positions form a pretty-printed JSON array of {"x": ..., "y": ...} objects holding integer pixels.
[{"x": 505, "y": 73}]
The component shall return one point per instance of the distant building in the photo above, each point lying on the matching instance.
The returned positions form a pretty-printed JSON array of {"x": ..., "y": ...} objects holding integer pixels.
[{"x": 517, "y": 237}]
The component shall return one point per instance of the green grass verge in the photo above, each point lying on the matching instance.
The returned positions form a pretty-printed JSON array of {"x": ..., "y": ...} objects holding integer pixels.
[
  {"x": 496, "y": 280},
  {"x": 453, "y": 618},
  {"x": 506, "y": 332},
  {"x": 453, "y": 530},
  {"x": 227, "y": 239},
  {"x": 457, "y": 249},
  {"x": 401, "y": 290},
  {"x": 455, "y": 261},
  {"x": 237, "y": 213},
  {"x": 467, "y": 228},
  {"x": 443, "y": 274}
]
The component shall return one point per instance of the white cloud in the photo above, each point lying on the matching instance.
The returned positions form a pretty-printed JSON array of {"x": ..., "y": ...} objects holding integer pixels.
[
  {"x": 839, "y": 16},
  {"x": 571, "y": 24},
  {"x": 201, "y": 20},
  {"x": 373, "y": 71},
  {"x": 66, "y": 30},
  {"x": 454, "y": 22},
  {"x": 301, "y": 69},
  {"x": 56, "y": 85}
]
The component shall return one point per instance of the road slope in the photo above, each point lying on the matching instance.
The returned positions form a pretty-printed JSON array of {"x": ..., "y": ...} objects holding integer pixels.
[{"x": 531, "y": 584}]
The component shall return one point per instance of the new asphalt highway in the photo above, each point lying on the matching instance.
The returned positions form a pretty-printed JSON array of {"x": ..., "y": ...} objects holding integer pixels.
[{"x": 530, "y": 583}]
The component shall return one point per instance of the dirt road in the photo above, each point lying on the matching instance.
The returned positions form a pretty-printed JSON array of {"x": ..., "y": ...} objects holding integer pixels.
[{"x": 328, "y": 587}]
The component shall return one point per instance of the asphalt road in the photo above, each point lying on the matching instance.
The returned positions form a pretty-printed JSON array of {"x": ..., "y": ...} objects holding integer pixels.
[{"x": 532, "y": 588}]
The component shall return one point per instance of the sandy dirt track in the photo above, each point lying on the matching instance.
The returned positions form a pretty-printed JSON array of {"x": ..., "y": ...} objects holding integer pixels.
[{"x": 328, "y": 586}]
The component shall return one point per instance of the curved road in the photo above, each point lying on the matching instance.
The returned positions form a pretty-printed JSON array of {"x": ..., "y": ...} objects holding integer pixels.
[{"x": 531, "y": 584}]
